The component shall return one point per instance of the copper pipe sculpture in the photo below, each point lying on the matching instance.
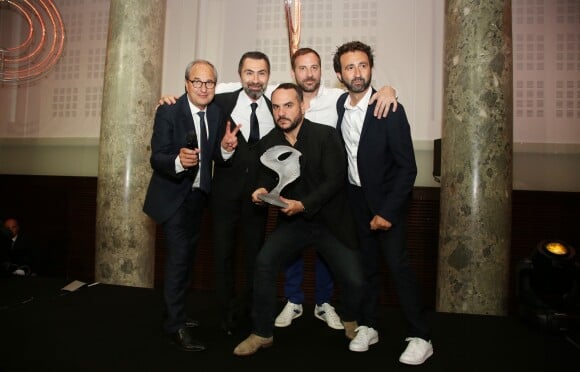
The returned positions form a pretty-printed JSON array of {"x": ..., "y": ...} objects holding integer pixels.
[
  {"x": 293, "y": 28},
  {"x": 42, "y": 46}
]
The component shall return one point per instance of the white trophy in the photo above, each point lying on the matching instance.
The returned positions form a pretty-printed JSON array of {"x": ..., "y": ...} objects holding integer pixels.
[{"x": 288, "y": 169}]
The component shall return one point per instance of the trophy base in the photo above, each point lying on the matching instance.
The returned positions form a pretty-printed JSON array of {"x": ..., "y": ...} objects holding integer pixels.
[{"x": 273, "y": 199}]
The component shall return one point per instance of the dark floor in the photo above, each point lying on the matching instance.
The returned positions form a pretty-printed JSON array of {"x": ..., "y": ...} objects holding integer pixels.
[{"x": 114, "y": 328}]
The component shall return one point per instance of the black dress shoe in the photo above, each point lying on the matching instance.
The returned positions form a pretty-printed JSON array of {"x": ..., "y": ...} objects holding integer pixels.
[
  {"x": 230, "y": 320},
  {"x": 184, "y": 340},
  {"x": 228, "y": 326},
  {"x": 191, "y": 323}
]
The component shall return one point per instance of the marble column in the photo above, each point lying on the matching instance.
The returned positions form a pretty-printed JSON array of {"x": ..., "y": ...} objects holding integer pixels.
[
  {"x": 125, "y": 236},
  {"x": 476, "y": 159}
]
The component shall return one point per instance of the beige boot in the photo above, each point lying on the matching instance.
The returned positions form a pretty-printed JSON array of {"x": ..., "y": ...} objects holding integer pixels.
[
  {"x": 252, "y": 344},
  {"x": 349, "y": 329}
]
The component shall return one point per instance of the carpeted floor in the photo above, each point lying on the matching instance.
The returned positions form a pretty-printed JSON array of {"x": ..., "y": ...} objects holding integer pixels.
[{"x": 114, "y": 328}]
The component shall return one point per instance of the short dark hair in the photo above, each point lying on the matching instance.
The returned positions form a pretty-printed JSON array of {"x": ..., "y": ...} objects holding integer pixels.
[
  {"x": 253, "y": 55},
  {"x": 352, "y": 46},
  {"x": 291, "y": 86},
  {"x": 301, "y": 52}
]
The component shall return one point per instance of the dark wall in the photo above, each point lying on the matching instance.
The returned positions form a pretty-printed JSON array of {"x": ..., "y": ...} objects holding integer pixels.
[{"x": 60, "y": 213}]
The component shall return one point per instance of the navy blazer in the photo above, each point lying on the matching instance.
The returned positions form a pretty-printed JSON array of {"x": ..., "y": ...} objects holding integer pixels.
[
  {"x": 386, "y": 161},
  {"x": 167, "y": 189}
]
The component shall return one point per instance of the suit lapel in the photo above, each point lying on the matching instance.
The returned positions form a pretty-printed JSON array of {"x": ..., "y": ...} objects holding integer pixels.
[
  {"x": 340, "y": 109},
  {"x": 187, "y": 118},
  {"x": 213, "y": 116},
  {"x": 367, "y": 122},
  {"x": 229, "y": 102},
  {"x": 368, "y": 118}
]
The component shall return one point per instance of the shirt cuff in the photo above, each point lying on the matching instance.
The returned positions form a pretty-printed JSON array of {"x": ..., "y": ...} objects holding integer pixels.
[{"x": 178, "y": 167}]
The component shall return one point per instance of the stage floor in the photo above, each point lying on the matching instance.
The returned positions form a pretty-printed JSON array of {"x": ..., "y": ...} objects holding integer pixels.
[{"x": 116, "y": 328}]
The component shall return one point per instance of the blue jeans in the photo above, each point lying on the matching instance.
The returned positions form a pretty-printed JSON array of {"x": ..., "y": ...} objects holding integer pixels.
[
  {"x": 324, "y": 285},
  {"x": 287, "y": 241}
]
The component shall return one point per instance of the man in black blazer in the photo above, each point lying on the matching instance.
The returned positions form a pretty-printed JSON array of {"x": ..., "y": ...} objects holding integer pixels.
[
  {"x": 181, "y": 159},
  {"x": 232, "y": 210},
  {"x": 317, "y": 214},
  {"x": 381, "y": 175}
]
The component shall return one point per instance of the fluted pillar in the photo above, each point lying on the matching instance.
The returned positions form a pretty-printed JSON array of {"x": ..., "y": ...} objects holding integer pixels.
[
  {"x": 476, "y": 159},
  {"x": 125, "y": 236}
]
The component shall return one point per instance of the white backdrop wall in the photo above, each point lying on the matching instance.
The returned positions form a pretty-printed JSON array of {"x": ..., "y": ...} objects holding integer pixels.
[
  {"x": 407, "y": 37},
  {"x": 52, "y": 126}
]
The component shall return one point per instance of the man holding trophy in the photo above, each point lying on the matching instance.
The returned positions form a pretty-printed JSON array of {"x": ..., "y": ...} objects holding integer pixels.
[{"x": 314, "y": 212}]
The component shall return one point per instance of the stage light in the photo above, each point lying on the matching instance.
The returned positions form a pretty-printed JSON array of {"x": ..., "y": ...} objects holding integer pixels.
[
  {"x": 548, "y": 286},
  {"x": 556, "y": 248}
]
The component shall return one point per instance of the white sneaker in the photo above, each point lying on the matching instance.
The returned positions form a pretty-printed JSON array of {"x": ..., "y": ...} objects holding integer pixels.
[
  {"x": 417, "y": 351},
  {"x": 289, "y": 312},
  {"x": 365, "y": 337},
  {"x": 326, "y": 313}
]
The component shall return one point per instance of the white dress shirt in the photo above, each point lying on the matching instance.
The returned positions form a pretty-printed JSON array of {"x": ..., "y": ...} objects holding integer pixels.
[
  {"x": 351, "y": 128},
  {"x": 243, "y": 110},
  {"x": 196, "y": 123},
  {"x": 322, "y": 108}
]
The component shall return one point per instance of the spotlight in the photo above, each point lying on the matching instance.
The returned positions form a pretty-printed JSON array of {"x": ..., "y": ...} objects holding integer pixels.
[{"x": 548, "y": 286}]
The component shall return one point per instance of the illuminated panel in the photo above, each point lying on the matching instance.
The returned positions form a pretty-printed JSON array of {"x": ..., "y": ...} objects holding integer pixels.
[{"x": 41, "y": 44}]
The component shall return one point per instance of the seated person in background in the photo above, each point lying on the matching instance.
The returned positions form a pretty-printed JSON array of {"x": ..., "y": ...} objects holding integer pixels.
[
  {"x": 17, "y": 253},
  {"x": 5, "y": 243}
]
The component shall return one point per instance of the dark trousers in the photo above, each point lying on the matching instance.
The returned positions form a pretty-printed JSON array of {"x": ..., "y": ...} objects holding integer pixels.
[
  {"x": 182, "y": 231},
  {"x": 392, "y": 246},
  {"x": 231, "y": 217},
  {"x": 285, "y": 243}
]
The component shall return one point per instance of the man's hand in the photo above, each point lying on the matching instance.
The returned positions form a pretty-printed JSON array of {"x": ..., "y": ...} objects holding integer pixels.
[
  {"x": 167, "y": 100},
  {"x": 230, "y": 140},
  {"x": 260, "y": 191},
  {"x": 188, "y": 157},
  {"x": 379, "y": 223},
  {"x": 384, "y": 97},
  {"x": 294, "y": 206}
]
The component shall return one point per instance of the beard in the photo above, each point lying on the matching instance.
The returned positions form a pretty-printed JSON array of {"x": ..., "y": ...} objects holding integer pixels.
[
  {"x": 307, "y": 88},
  {"x": 357, "y": 85},
  {"x": 255, "y": 94},
  {"x": 293, "y": 123}
]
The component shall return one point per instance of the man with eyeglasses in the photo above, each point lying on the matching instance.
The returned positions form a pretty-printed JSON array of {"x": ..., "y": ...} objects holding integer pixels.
[
  {"x": 232, "y": 186},
  {"x": 186, "y": 138},
  {"x": 198, "y": 84}
]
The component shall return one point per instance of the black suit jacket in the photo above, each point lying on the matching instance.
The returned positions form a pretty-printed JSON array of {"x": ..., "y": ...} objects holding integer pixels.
[
  {"x": 386, "y": 161},
  {"x": 321, "y": 184},
  {"x": 167, "y": 189},
  {"x": 233, "y": 181},
  {"x": 23, "y": 251}
]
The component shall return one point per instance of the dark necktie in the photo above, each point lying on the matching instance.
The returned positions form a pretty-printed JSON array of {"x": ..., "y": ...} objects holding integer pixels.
[
  {"x": 254, "y": 125},
  {"x": 204, "y": 167}
]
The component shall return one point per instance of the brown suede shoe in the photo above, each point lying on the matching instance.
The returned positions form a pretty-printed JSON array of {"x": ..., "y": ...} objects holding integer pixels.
[
  {"x": 349, "y": 329},
  {"x": 252, "y": 344}
]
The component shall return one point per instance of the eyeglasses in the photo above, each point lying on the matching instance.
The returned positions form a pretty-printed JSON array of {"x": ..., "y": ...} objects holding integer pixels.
[{"x": 198, "y": 83}]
